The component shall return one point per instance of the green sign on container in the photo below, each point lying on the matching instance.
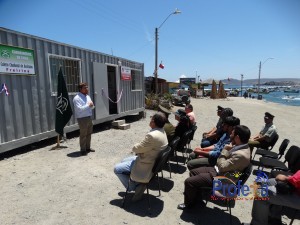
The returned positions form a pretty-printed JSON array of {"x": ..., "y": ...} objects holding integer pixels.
[{"x": 15, "y": 60}]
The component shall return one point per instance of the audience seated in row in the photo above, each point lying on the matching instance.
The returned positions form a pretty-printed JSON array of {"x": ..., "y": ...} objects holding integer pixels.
[
  {"x": 208, "y": 156},
  {"x": 214, "y": 135},
  {"x": 234, "y": 158}
]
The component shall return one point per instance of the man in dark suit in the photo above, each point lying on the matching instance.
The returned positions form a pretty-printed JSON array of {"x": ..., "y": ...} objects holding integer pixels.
[{"x": 233, "y": 158}]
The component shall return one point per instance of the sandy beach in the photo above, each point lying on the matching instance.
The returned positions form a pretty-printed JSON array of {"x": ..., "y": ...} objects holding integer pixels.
[{"x": 59, "y": 187}]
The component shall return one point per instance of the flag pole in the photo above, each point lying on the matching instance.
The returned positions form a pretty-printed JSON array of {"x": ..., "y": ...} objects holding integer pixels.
[
  {"x": 58, "y": 145},
  {"x": 63, "y": 108}
]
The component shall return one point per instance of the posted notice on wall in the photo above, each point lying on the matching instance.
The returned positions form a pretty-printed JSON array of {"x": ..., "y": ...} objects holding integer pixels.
[
  {"x": 125, "y": 73},
  {"x": 15, "y": 60}
]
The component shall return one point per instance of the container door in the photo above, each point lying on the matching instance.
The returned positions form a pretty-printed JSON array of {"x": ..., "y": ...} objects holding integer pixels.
[{"x": 101, "y": 90}]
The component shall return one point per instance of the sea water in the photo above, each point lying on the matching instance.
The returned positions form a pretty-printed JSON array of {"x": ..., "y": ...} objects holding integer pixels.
[
  {"x": 276, "y": 96},
  {"x": 283, "y": 98}
]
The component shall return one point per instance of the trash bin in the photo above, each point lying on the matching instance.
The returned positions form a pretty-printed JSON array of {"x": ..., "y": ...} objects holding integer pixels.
[{"x": 259, "y": 97}]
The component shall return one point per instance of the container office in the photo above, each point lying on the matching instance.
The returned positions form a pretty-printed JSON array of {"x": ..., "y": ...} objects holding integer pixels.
[{"x": 29, "y": 66}]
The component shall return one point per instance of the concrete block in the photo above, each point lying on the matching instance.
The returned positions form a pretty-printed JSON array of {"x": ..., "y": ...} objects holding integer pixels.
[
  {"x": 117, "y": 123},
  {"x": 124, "y": 126}
]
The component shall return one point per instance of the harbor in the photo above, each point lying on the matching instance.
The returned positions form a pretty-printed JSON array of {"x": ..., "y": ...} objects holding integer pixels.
[{"x": 286, "y": 95}]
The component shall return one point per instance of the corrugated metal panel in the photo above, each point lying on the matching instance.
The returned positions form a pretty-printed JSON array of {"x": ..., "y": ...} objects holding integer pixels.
[{"x": 28, "y": 113}]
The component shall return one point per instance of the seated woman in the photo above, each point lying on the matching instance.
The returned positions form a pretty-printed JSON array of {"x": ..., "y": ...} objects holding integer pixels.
[{"x": 184, "y": 123}]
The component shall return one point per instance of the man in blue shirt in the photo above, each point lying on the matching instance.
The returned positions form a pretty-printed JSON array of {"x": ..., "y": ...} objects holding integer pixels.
[
  {"x": 213, "y": 136},
  {"x": 208, "y": 156},
  {"x": 83, "y": 106}
]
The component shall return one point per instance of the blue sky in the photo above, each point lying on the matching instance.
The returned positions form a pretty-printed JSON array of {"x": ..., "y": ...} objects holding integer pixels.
[{"x": 210, "y": 38}]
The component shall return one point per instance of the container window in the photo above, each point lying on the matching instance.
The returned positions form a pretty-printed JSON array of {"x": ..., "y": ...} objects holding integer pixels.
[
  {"x": 136, "y": 80},
  {"x": 70, "y": 69}
]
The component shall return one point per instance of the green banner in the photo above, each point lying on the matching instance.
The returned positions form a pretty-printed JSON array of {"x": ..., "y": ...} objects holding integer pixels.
[{"x": 15, "y": 60}]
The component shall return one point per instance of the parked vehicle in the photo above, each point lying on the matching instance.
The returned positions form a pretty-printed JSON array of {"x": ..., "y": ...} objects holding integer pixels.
[{"x": 181, "y": 96}]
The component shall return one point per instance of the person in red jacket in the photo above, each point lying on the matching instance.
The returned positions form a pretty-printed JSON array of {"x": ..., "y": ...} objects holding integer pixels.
[{"x": 269, "y": 212}]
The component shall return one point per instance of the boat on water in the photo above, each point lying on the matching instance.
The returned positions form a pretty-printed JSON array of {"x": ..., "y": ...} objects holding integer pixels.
[
  {"x": 287, "y": 97},
  {"x": 289, "y": 90}
]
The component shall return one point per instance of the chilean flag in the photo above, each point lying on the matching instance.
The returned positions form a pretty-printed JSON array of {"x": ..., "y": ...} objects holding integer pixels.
[
  {"x": 4, "y": 88},
  {"x": 162, "y": 66}
]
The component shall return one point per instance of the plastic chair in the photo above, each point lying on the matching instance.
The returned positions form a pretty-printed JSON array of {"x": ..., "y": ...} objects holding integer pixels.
[
  {"x": 274, "y": 155},
  {"x": 158, "y": 165},
  {"x": 269, "y": 146},
  {"x": 181, "y": 147},
  {"x": 173, "y": 144},
  {"x": 194, "y": 128},
  {"x": 230, "y": 201},
  {"x": 291, "y": 157}
]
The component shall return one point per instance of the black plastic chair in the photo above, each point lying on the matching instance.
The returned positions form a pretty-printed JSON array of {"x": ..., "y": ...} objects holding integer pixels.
[
  {"x": 173, "y": 144},
  {"x": 291, "y": 157},
  {"x": 293, "y": 168},
  {"x": 181, "y": 147},
  {"x": 194, "y": 128},
  {"x": 158, "y": 165},
  {"x": 272, "y": 143},
  {"x": 274, "y": 155},
  {"x": 230, "y": 201}
]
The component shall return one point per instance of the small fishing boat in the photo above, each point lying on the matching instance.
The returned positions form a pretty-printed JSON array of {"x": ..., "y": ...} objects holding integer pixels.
[
  {"x": 287, "y": 97},
  {"x": 290, "y": 90}
]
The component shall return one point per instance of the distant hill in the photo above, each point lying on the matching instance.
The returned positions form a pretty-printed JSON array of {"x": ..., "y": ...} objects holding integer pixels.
[{"x": 265, "y": 81}]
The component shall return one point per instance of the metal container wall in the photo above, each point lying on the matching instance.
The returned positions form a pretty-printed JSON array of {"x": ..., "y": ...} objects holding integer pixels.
[{"x": 28, "y": 113}]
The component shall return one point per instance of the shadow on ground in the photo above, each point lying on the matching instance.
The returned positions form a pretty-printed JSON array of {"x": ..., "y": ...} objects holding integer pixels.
[
  {"x": 140, "y": 208},
  {"x": 202, "y": 216},
  {"x": 166, "y": 184},
  {"x": 177, "y": 168},
  {"x": 52, "y": 141},
  {"x": 75, "y": 154}
]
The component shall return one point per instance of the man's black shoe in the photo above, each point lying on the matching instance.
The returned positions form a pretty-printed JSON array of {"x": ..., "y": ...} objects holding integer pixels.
[
  {"x": 90, "y": 150},
  {"x": 83, "y": 153}
]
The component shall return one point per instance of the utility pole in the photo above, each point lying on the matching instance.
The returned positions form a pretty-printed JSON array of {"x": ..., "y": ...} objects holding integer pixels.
[{"x": 155, "y": 70}]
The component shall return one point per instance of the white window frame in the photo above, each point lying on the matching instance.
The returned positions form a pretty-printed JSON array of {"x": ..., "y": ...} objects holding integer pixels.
[
  {"x": 141, "y": 80},
  {"x": 54, "y": 92}
]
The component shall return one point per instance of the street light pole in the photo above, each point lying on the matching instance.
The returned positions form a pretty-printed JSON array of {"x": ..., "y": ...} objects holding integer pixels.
[
  {"x": 242, "y": 76},
  {"x": 259, "y": 71},
  {"x": 156, "y": 49},
  {"x": 258, "y": 84}
]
